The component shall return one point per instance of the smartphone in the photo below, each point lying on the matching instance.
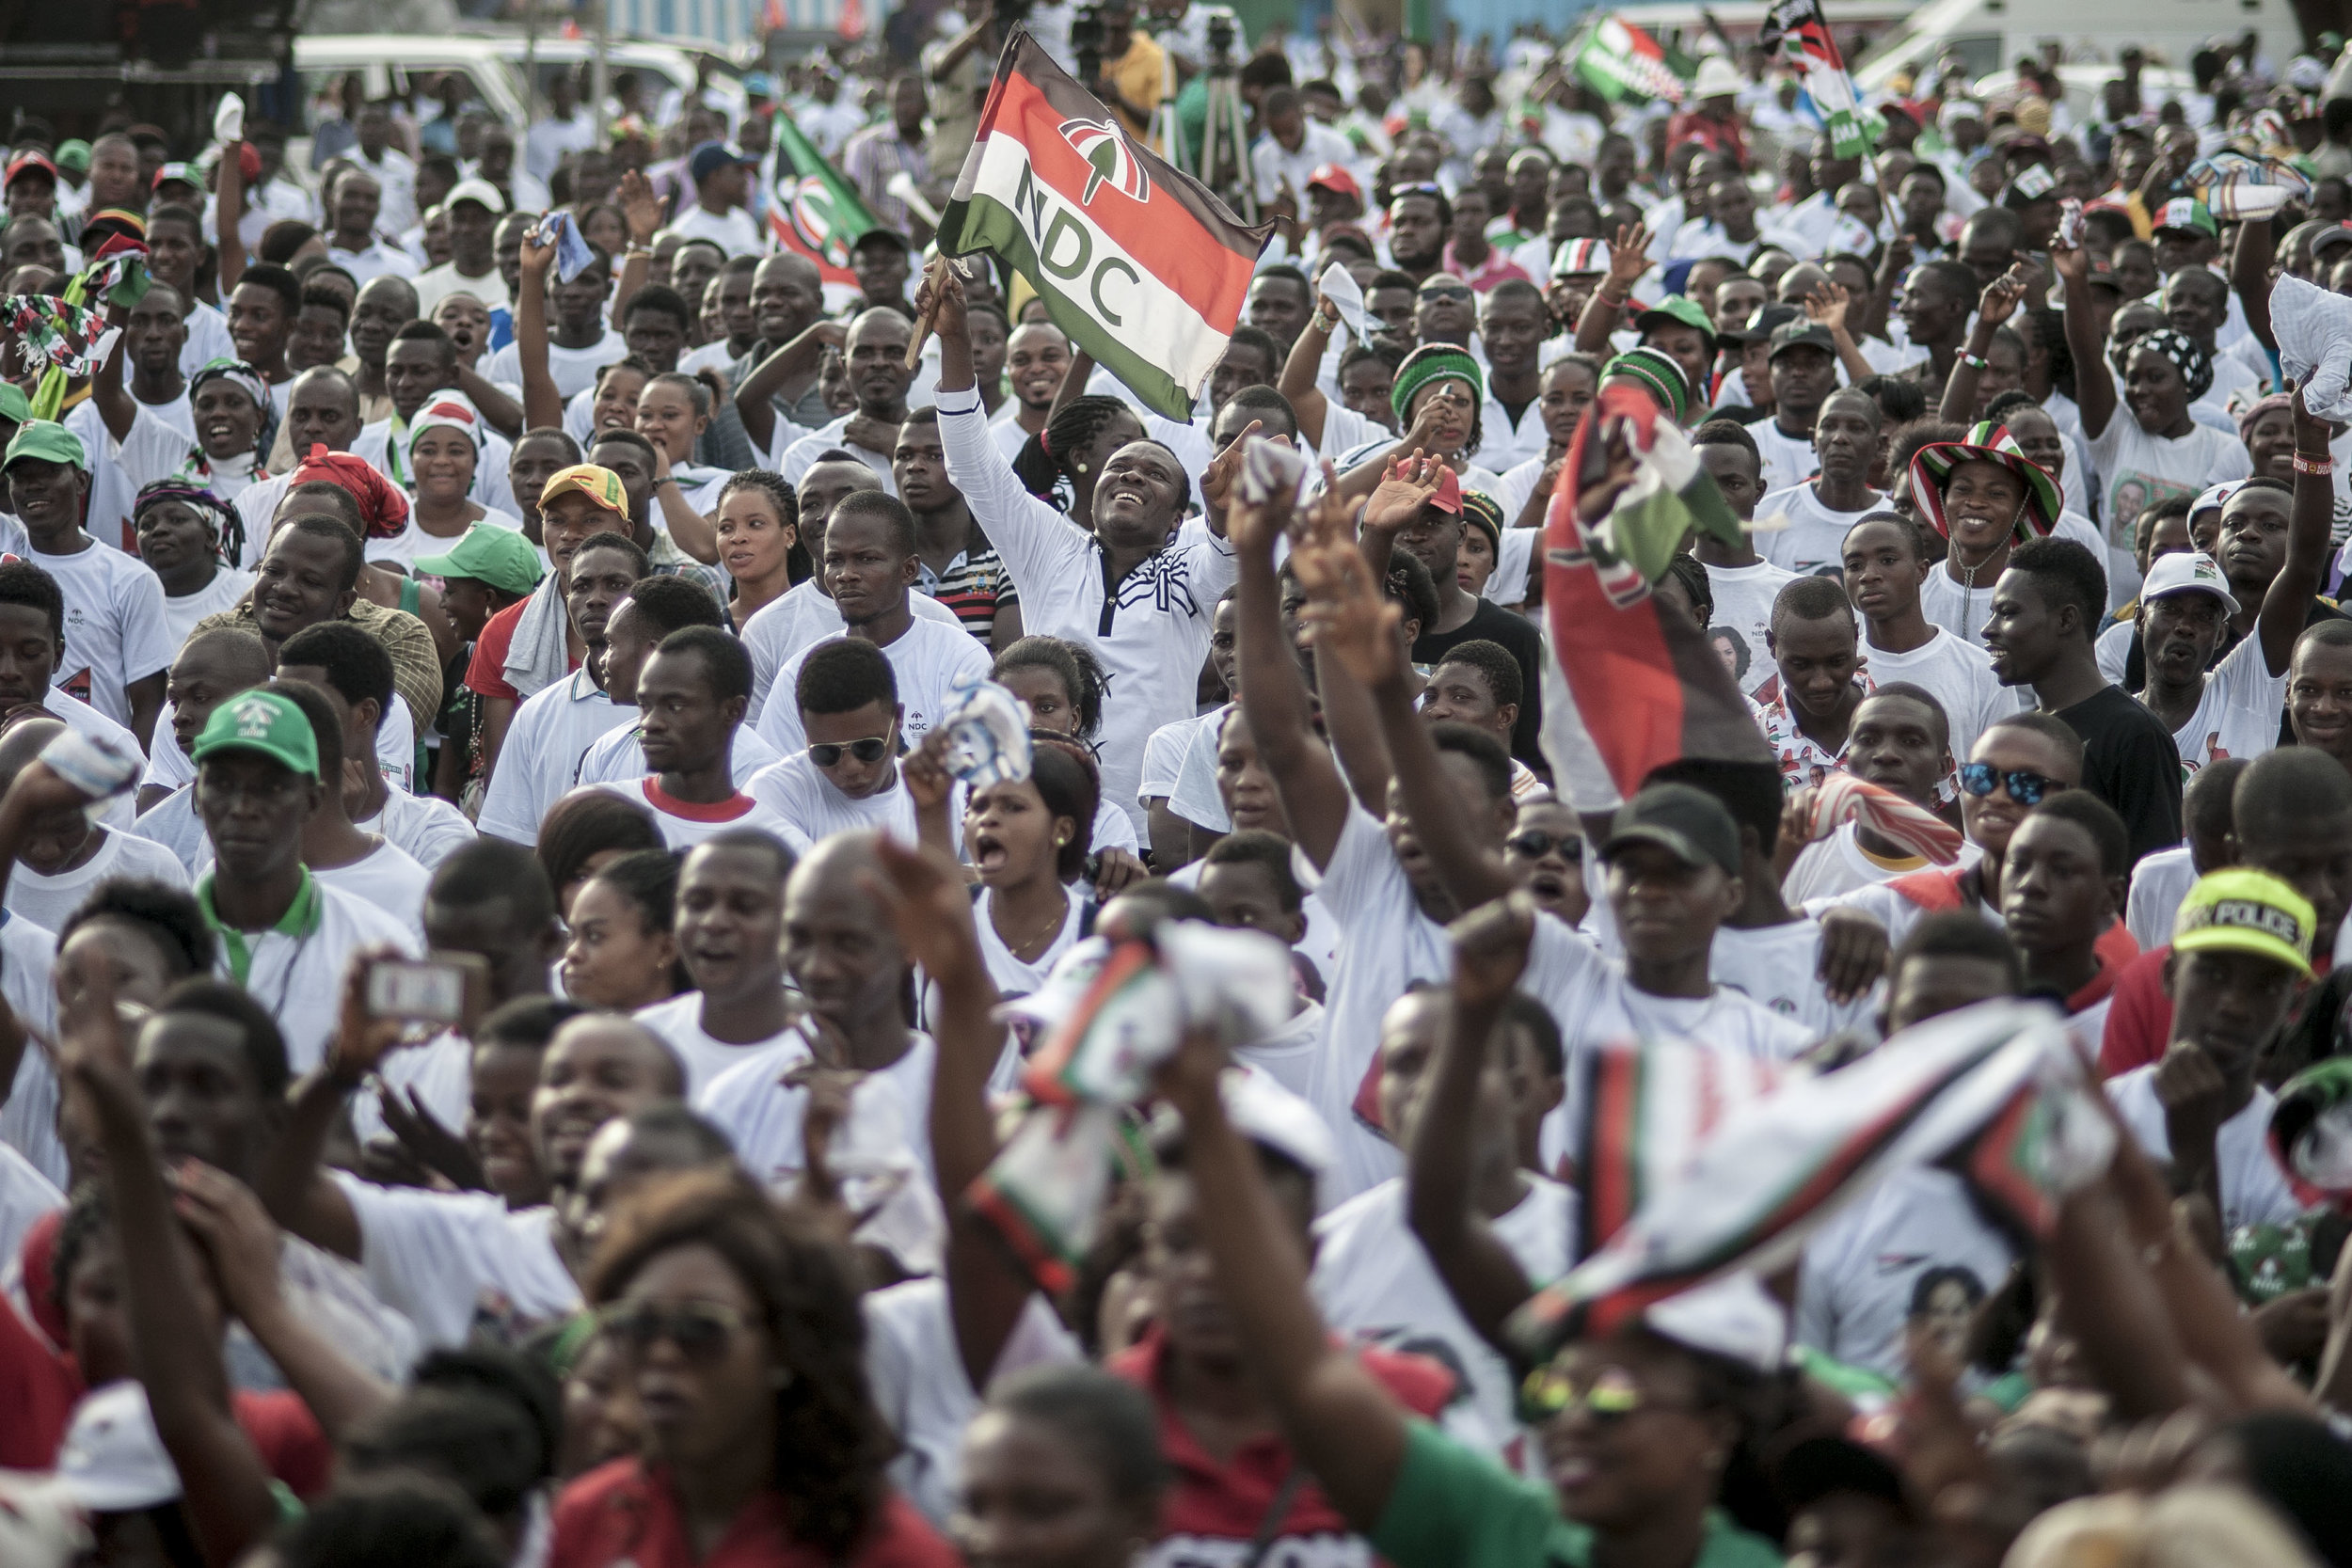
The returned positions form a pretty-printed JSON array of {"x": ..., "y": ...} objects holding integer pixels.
[
  {"x": 444, "y": 988},
  {"x": 2070, "y": 225}
]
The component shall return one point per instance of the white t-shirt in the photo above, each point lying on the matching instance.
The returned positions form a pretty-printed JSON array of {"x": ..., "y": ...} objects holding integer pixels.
[
  {"x": 172, "y": 822},
  {"x": 1744, "y": 607},
  {"x": 2136, "y": 470},
  {"x": 734, "y": 231},
  {"x": 781, "y": 630},
  {"x": 574, "y": 369},
  {"x": 807, "y": 801},
  {"x": 796, "y": 456},
  {"x": 47, "y": 901},
  {"x": 929, "y": 659},
  {"x": 107, "y": 512},
  {"x": 2159, "y": 882},
  {"x": 1860, "y": 1281},
  {"x": 1838, "y": 863},
  {"x": 1374, "y": 1281},
  {"x": 2114, "y": 650},
  {"x": 1959, "y": 674},
  {"x": 26, "y": 1195},
  {"x": 1959, "y": 609},
  {"x": 915, "y": 1371},
  {"x": 1789, "y": 461},
  {"x": 388, "y": 877},
  {"x": 687, "y": 823},
  {"x": 431, "y": 1256},
  {"x": 115, "y": 629},
  {"x": 79, "y": 715},
  {"x": 1164, "y": 755},
  {"x": 182, "y": 611},
  {"x": 541, "y": 757},
  {"x": 208, "y": 338},
  {"x": 28, "y": 1122},
  {"x": 679, "y": 1020},
  {"x": 1014, "y": 974},
  {"x": 2238, "y": 714},
  {"x": 2254, "y": 1191},
  {"x": 402, "y": 548},
  {"x": 890, "y": 1108},
  {"x": 1815, "y": 538},
  {"x": 1150, "y": 630},
  {"x": 616, "y": 757},
  {"x": 298, "y": 976},
  {"x": 1195, "y": 795},
  {"x": 1780, "y": 967},
  {"x": 428, "y": 828},
  {"x": 436, "y": 284}
]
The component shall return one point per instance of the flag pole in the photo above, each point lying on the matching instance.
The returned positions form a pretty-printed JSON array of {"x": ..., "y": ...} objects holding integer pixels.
[{"x": 934, "y": 275}]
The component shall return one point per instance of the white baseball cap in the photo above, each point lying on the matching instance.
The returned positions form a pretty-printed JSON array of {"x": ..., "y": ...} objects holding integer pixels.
[
  {"x": 112, "y": 1461},
  {"x": 478, "y": 191},
  {"x": 2186, "y": 572}
]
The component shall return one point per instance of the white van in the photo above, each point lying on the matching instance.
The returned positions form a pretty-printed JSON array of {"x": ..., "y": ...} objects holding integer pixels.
[
  {"x": 386, "y": 62},
  {"x": 1992, "y": 35}
]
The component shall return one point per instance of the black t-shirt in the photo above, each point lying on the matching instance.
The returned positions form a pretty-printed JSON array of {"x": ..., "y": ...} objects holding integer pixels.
[
  {"x": 1518, "y": 637},
  {"x": 2129, "y": 761}
]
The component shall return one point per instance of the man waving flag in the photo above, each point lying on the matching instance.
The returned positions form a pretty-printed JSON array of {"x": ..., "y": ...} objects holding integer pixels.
[
  {"x": 1137, "y": 262},
  {"x": 1798, "y": 33}
]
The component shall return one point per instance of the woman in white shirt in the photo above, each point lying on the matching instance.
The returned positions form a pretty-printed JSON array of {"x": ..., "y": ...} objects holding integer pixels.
[
  {"x": 673, "y": 411},
  {"x": 235, "y": 419},
  {"x": 444, "y": 449},
  {"x": 1026, "y": 841}
]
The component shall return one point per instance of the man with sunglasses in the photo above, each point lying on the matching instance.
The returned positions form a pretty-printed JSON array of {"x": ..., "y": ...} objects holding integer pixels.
[
  {"x": 846, "y": 777},
  {"x": 870, "y": 562}
]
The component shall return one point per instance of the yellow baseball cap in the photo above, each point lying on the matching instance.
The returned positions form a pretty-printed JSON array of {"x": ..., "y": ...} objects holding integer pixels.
[
  {"x": 2239, "y": 910},
  {"x": 601, "y": 485}
]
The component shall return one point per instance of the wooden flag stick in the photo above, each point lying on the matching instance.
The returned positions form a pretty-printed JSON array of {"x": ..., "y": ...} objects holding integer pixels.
[{"x": 934, "y": 270}]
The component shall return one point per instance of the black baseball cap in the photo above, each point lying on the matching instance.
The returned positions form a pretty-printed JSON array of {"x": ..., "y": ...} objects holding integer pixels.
[
  {"x": 1802, "y": 334},
  {"x": 1687, "y": 822},
  {"x": 1767, "y": 320}
]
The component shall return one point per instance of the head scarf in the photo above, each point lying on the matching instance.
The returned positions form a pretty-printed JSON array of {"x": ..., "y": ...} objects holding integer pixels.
[
  {"x": 1429, "y": 364},
  {"x": 2251, "y": 415},
  {"x": 446, "y": 411},
  {"x": 222, "y": 522},
  {"x": 382, "y": 508},
  {"x": 248, "y": 380},
  {"x": 2195, "y": 364}
]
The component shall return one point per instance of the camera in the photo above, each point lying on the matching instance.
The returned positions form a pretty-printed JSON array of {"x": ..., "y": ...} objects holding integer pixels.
[{"x": 1221, "y": 40}]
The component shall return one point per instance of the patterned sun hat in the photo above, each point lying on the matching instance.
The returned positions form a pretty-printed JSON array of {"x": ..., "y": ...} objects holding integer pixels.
[{"x": 1986, "y": 442}]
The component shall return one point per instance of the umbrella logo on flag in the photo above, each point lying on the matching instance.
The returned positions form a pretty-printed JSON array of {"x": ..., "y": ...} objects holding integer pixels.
[
  {"x": 1107, "y": 154},
  {"x": 815, "y": 220}
]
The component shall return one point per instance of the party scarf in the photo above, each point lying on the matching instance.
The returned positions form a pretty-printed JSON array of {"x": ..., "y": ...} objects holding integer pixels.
[
  {"x": 53, "y": 332},
  {"x": 1842, "y": 798},
  {"x": 1114, "y": 1009}
]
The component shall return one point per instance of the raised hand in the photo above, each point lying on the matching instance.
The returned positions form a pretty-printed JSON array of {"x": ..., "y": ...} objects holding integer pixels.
[
  {"x": 1347, "y": 614},
  {"x": 1216, "y": 480},
  {"x": 537, "y": 257},
  {"x": 2071, "y": 261},
  {"x": 434, "y": 1147},
  {"x": 641, "y": 206},
  {"x": 947, "y": 314},
  {"x": 929, "y": 905},
  {"x": 236, "y": 1233},
  {"x": 2311, "y": 433},
  {"x": 1405, "y": 488},
  {"x": 360, "y": 1042},
  {"x": 1826, "y": 305},
  {"x": 1628, "y": 259},
  {"x": 2001, "y": 297},
  {"x": 924, "y": 770},
  {"x": 1490, "y": 949}
]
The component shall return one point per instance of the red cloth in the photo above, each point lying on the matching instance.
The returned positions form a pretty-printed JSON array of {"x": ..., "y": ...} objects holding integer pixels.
[
  {"x": 37, "y": 1392},
  {"x": 2140, "y": 1019},
  {"x": 38, "y": 1253},
  {"x": 622, "y": 1513},
  {"x": 1716, "y": 136},
  {"x": 293, "y": 1445},
  {"x": 1215, "y": 1507},
  {"x": 382, "y": 505}
]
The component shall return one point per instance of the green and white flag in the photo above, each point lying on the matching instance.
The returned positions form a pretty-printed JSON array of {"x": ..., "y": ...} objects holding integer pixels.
[{"x": 1625, "y": 65}]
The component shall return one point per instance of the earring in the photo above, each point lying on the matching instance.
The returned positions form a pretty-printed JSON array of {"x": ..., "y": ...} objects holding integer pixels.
[{"x": 1079, "y": 467}]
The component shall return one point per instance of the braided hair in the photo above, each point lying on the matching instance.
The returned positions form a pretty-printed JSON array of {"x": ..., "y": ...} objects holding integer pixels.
[{"x": 1043, "y": 462}]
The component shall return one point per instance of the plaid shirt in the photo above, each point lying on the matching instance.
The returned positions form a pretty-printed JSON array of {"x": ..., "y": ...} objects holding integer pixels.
[
  {"x": 668, "y": 561},
  {"x": 875, "y": 154}
]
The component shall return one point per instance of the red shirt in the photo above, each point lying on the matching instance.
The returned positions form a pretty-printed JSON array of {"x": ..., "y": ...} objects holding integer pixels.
[
  {"x": 485, "y": 673},
  {"x": 1223, "y": 1503},
  {"x": 624, "y": 1514}
]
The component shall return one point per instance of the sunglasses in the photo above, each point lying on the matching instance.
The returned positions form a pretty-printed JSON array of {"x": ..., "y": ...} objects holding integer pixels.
[
  {"x": 1450, "y": 291},
  {"x": 1535, "y": 843},
  {"x": 2027, "y": 789},
  {"x": 700, "y": 1329},
  {"x": 1548, "y": 1393},
  {"x": 827, "y": 753}
]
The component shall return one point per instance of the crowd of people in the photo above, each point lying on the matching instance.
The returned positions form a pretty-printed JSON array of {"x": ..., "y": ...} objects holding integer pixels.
[{"x": 523, "y": 1073}]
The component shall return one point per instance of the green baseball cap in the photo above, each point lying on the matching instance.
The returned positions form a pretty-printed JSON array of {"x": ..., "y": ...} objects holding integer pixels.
[
  {"x": 47, "y": 440},
  {"x": 14, "y": 405},
  {"x": 2237, "y": 911},
  {"x": 265, "y": 722},
  {"x": 487, "y": 553},
  {"x": 73, "y": 156},
  {"x": 1676, "y": 311}
]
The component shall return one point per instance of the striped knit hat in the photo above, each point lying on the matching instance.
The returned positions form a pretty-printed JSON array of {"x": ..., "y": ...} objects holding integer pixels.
[
  {"x": 1433, "y": 362},
  {"x": 1658, "y": 374},
  {"x": 1986, "y": 442}
]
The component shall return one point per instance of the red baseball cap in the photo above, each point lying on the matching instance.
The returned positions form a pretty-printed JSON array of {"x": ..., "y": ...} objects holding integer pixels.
[
  {"x": 1448, "y": 495},
  {"x": 1333, "y": 177},
  {"x": 23, "y": 161}
]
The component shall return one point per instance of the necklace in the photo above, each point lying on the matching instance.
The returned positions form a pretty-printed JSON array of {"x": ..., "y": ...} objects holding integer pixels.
[{"x": 1044, "y": 933}]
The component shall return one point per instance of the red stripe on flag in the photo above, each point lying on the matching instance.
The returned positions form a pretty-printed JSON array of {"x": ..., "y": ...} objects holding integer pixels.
[{"x": 789, "y": 238}]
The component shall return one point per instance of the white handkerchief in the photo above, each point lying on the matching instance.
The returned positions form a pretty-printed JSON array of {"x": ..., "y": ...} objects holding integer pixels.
[
  {"x": 2315, "y": 332},
  {"x": 1339, "y": 286}
]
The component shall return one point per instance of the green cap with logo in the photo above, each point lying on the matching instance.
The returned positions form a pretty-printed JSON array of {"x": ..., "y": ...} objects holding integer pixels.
[
  {"x": 487, "y": 553},
  {"x": 47, "y": 441},
  {"x": 2237, "y": 911},
  {"x": 266, "y": 723}
]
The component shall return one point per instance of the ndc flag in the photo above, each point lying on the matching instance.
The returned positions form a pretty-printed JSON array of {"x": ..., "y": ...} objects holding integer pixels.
[
  {"x": 1625, "y": 65},
  {"x": 1137, "y": 262},
  {"x": 816, "y": 211},
  {"x": 1798, "y": 33}
]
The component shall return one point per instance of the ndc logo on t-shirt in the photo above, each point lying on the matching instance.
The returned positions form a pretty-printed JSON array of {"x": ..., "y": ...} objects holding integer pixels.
[{"x": 76, "y": 685}]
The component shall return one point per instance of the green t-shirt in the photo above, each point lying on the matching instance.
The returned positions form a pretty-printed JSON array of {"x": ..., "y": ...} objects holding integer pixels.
[{"x": 1455, "y": 1508}]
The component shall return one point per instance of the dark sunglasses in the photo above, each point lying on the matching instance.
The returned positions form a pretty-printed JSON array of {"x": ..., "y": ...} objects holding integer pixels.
[
  {"x": 1535, "y": 843},
  {"x": 1548, "y": 1393},
  {"x": 1448, "y": 291},
  {"x": 2027, "y": 789},
  {"x": 826, "y": 753},
  {"x": 700, "y": 1329}
]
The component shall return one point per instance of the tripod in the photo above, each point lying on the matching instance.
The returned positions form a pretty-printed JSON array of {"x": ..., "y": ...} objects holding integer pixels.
[{"x": 1224, "y": 136}]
